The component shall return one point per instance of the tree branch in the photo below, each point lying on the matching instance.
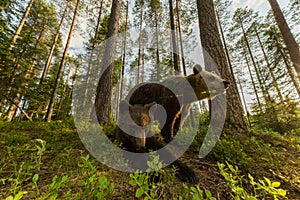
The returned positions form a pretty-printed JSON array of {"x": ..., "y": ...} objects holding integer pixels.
[{"x": 12, "y": 101}]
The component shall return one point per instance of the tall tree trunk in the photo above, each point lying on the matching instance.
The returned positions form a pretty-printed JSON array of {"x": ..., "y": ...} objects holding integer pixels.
[
  {"x": 69, "y": 94},
  {"x": 124, "y": 53},
  {"x": 62, "y": 99},
  {"x": 245, "y": 103},
  {"x": 13, "y": 107},
  {"x": 49, "y": 59},
  {"x": 104, "y": 88},
  {"x": 157, "y": 47},
  {"x": 143, "y": 64},
  {"x": 288, "y": 66},
  {"x": 214, "y": 53},
  {"x": 180, "y": 38},
  {"x": 225, "y": 46},
  {"x": 140, "y": 41},
  {"x": 274, "y": 82},
  {"x": 287, "y": 35},
  {"x": 264, "y": 92},
  {"x": 18, "y": 31},
  {"x": 290, "y": 71},
  {"x": 92, "y": 54},
  {"x": 120, "y": 87},
  {"x": 252, "y": 79},
  {"x": 173, "y": 38},
  {"x": 61, "y": 67}
]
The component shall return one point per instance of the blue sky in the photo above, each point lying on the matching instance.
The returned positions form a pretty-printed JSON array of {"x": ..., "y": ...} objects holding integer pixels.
[{"x": 259, "y": 5}]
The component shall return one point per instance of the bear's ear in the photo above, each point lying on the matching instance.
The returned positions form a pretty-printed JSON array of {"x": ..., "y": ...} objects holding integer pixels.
[
  {"x": 123, "y": 106},
  {"x": 197, "y": 69},
  {"x": 148, "y": 106}
]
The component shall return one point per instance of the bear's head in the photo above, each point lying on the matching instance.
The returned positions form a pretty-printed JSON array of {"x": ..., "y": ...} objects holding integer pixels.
[
  {"x": 134, "y": 121},
  {"x": 207, "y": 84}
]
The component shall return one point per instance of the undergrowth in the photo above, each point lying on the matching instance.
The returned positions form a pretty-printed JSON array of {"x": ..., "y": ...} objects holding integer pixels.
[{"x": 48, "y": 161}]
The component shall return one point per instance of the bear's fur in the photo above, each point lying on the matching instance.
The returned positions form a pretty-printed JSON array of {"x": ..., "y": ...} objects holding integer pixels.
[
  {"x": 138, "y": 115},
  {"x": 204, "y": 84},
  {"x": 175, "y": 96}
]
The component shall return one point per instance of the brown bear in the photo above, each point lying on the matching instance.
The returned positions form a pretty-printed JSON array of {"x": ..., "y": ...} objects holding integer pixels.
[
  {"x": 133, "y": 133},
  {"x": 174, "y": 94}
]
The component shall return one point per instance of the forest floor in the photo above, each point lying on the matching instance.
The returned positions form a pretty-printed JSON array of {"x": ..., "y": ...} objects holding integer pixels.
[{"x": 48, "y": 161}]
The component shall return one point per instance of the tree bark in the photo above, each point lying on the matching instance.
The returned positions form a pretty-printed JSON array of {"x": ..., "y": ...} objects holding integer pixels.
[
  {"x": 69, "y": 95},
  {"x": 157, "y": 46},
  {"x": 225, "y": 47},
  {"x": 140, "y": 41},
  {"x": 180, "y": 39},
  {"x": 264, "y": 92},
  {"x": 252, "y": 79},
  {"x": 49, "y": 59},
  {"x": 124, "y": 53},
  {"x": 289, "y": 39},
  {"x": 173, "y": 38},
  {"x": 62, "y": 99},
  {"x": 92, "y": 54},
  {"x": 274, "y": 82},
  {"x": 214, "y": 53},
  {"x": 290, "y": 71},
  {"x": 61, "y": 67},
  {"x": 18, "y": 31},
  {"x": 104, "y": 88}
]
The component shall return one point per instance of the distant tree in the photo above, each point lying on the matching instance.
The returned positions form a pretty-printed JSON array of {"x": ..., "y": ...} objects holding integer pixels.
[
  {"x": 22, "y": 22},
  {"x": 139, "y": 7},
  {"x": 54, "y": 43},
  {"x": 24, "y": 65},
  {"x": 276, "y": 44},
  {"x": 94, "y": 42},
  {"x": 61, "y": 67},
  {"x": 266, "y": 58},
  {"x": 124, "y": 53},
  {"x": 173, "y": 38},
  {"x": 156, "y": 9},
  {"x": 180, "y": 37},
  {"x": 287, "y": 35}
]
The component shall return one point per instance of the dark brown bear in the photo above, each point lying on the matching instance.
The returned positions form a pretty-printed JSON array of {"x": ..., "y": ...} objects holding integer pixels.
[
  {"x": 138, "y": 142},
  {"x": 174, "y": 94}
]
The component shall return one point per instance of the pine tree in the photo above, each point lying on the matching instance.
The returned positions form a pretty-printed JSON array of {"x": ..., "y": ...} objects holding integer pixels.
[
  {"x": 214, "y": 53},
  {"x": 54, "y": 43},
  {"x": 104, "y": 87},
  {"x": 287, "y": 35},
  {"x": 61, "y": 67},
  {"x": 22, "y": 22}
]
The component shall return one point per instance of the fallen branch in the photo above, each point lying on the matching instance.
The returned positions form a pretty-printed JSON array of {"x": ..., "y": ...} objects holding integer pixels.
[{"x": 12, "y": 101}]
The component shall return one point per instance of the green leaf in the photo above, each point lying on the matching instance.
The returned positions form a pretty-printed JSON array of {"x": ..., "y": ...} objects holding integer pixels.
[
  {"x": 132, "y": 182},
  {"x": 139, "y": 192},
  {"x": 281, "y": 192},
  {"x": 10, "y": 198},
  {"x": 252, "y": 182},
  {"x": 20, "y": 195},
  {"x": 268, "y": 181},
  {"x": 193, "y": 189},
  {"x": 35, "y": 178},
  {"x": 275, "y": 184}
]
